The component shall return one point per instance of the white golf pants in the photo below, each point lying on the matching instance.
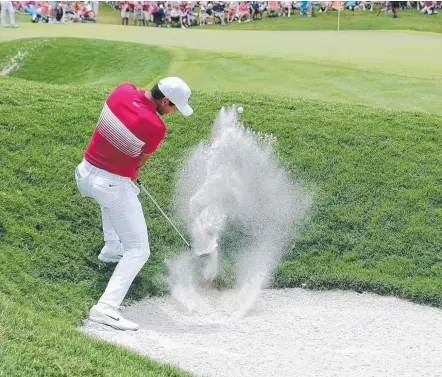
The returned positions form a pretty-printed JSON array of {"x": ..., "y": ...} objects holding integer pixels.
[
  {"x": 7, "y": 6},
  {"x": 123, "y": 220}
]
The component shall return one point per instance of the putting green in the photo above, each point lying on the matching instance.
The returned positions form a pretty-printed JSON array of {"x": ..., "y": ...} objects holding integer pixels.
[{"x": 412, "y": 53}]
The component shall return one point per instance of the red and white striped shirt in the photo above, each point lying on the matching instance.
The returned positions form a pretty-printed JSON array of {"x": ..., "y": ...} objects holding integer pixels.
[{"x": 127, "y": 128}]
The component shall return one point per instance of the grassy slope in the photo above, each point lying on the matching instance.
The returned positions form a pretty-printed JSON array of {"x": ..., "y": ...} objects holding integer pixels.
[
  {"x": 72, "y": 61},
  {"x": 359, "y": 20},
  {"x": 317, "y": 79}
]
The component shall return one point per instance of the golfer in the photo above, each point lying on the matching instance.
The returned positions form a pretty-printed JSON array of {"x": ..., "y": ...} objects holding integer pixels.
[{"x": 128, "y": 131}]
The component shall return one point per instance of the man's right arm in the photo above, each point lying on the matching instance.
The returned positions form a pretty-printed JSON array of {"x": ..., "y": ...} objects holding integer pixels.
[{"x": 141, "y": 162}]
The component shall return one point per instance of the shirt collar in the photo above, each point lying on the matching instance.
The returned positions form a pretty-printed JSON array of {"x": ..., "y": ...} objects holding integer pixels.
[{"x": 146, "y": 101}]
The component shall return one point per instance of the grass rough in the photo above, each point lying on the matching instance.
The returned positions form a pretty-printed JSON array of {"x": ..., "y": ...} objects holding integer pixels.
[{"x": 377, "y": 211}]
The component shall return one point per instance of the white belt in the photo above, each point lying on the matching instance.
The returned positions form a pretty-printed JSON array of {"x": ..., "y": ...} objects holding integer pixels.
[{"x": 97, "y": 171}]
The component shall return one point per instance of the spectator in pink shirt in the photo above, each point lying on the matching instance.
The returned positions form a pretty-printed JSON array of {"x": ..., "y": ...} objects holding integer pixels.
[
  {"x": 243, "y": 11},
  {"x": 231, "y": 13},
  {"x": 146, "y": 12},
  {"x": 184, "y": 19}
]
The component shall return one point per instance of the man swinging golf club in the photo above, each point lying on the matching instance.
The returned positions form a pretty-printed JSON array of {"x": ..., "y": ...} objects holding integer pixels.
[{"x": 128, "y": 131}]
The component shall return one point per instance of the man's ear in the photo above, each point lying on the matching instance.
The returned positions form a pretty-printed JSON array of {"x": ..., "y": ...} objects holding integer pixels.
[{"x": 164, "y": 101}]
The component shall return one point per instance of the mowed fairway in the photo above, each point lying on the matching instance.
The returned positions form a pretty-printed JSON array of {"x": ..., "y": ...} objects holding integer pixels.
[{"x": 339, "y": 105}]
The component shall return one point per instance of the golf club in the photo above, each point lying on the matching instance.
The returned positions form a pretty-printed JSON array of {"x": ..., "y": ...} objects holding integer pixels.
[{"x": 167, "y": 218}]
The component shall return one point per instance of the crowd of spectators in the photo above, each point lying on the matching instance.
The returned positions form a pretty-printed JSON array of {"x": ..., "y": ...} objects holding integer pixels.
[
  {"x": 186, "y": 14},
  {"x": 55, "y": 11},
  {"x": 192, "y": 13}
]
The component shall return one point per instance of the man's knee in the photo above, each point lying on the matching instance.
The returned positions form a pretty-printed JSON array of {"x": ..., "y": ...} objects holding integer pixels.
[
  {"x": 137, "y": 249},
  {"x": 143, "y": 250}
]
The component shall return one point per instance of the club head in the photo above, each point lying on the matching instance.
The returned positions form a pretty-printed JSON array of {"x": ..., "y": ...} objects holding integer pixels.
[{"x": 201, "y": 255}]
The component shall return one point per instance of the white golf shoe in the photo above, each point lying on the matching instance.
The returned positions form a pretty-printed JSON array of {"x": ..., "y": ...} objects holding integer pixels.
[
  {"x": 111, "y": 254},
  {"x": 107, "y": 316}
]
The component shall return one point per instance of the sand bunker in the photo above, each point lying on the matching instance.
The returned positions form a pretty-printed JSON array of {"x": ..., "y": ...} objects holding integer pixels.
[{"x": 289, "y": 332}]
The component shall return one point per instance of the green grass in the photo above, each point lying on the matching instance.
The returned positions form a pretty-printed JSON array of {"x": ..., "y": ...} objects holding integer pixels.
[
  {"x": 358, "y": 20},
  {"x": 74, "y": 61},
  {"x": 375, "y": 224},
  {"x": 309, "y": 79},
  {"x": 80, "y": 62},
  {"x": 38, "y": 344}
]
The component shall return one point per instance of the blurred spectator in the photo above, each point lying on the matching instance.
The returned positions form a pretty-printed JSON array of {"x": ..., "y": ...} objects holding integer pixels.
[
  {"x": 220, "y": 12},
  {"x": 366, "y": 5},
  {"x": 273, "y": 9},
  {"x": 125, "y": 12},
  {"x": 53, "y": 7},
  {"x": 430, "y": 8},
  {"x": 231, "y": 11},
  {"x": 303, "y": 10},
  {"x": 395, "y": 6},
  {"x": 286, "y": 7},
  {"x": 262, "y": 7},
  {"x": 173, "y": 15},
  {"x": 158, "y": 15},
  {"x": 29, "y": 7},
  {"x": 192, "y": 16},
  {"x": 202, "y": 16},
  {"x": 59, "y": 14},
  {"x": 210, "y": 14},
  {"x": 323, "y": 6},
  {"x": 184, "y": 19},
  {"x": 352, "y": 5},
  {"x": 139, "y": 14},
  {"x": 41, "y": 12},
  {"x": 71, "y": 13},
  {"x": 7, "y": 7},
  {"x": 95, "y": 6},
  {"x": 337, "y": 5},
  {"x": 87, "y": 13},
  {"x": 146, "y": 12},
  {"x": 168, "y": 14},
  {"x": 243, "y": 11}
]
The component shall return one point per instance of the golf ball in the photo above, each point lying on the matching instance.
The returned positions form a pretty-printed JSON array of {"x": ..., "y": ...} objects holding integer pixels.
[{"x": 240, "y": 110}]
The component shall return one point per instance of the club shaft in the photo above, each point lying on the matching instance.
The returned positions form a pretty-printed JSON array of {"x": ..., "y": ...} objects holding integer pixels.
[{"x": 167, "y": 218}]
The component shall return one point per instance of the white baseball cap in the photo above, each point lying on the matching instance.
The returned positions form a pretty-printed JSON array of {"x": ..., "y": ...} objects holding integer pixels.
[{"x": 178, "y": 92}]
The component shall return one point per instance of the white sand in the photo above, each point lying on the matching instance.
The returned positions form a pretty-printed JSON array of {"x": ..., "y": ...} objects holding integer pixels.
[{"x": 289, "y": 332}]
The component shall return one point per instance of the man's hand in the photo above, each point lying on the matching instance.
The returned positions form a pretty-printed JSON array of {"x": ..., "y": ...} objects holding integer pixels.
[
  {"x": 137, "y": 174},
  {"x": 143, "y": 160}
]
